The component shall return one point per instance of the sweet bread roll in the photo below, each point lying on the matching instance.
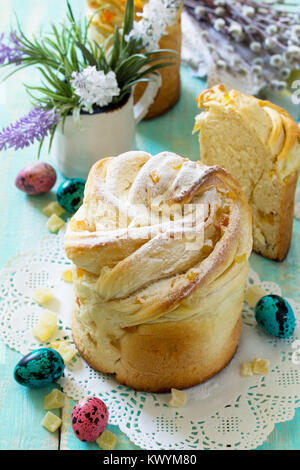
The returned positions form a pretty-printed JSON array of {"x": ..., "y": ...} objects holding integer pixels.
[
  {"x": 259, "y": 144},
  {"x": 103, "y": 24},
  {"x": 161, "y": 247}
]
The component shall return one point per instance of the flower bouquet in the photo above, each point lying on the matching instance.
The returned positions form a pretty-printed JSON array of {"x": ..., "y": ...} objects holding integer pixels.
[{"x": 79, "y": 77}]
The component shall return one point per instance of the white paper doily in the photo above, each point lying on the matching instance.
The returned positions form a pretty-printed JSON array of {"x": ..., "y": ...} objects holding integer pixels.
[{"x": 227, "y": 412}]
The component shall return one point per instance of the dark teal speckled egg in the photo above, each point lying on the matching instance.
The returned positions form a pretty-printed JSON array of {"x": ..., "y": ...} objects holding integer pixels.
[
  {"x": 39, "y": 368},
  {"x": 275, "y": 316},
  {"x": 70, "y": 194}
]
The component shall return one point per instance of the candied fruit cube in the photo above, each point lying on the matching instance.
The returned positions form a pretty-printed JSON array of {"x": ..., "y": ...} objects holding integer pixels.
[
  {"x": 46, "y": 326},
  {"x": 192, "y": 275},
  {"x": 41, "y": 333},
  {"x": 54, "y": 223},
  {"x": 80, "y": 273},
  {"x": 54, "y": 400},
  {"x": 178, "y": 399},
  {"x": 246, "y": 369},
  {"x": 67, "y": 275},
  {"x": 65, "y": 349},
  {"x": 49, "y": 319},
  {"x": 253, "y": 294},
  {"x": 43, "y": 295},
  {"x": 154, "y": 176},
  {"x": 260, "y": 366},
  {"x": 78, "y": 225},
  {"x": 51, "y": 422},
  {"x": 53, "y": 208},
  {"x": 107, "y": 440}
]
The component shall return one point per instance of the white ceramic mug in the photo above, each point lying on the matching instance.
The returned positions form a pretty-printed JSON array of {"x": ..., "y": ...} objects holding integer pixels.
[{"x": 100, "y": 135}]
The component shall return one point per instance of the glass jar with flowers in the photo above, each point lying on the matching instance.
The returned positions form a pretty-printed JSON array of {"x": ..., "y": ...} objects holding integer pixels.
[{"x": 84, "y": 102}]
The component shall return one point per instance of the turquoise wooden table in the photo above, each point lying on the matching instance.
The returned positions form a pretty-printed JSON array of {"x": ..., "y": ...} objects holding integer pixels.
[{"x": 23, "y": 224}]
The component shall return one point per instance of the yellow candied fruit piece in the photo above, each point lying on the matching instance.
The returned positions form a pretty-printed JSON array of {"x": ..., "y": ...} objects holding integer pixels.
[
  {"x": 107, "y": 440},
  {"x": 178, "y": 399},
  {"x": 53, "y": 208},
  {"x": 260, "y": 366},
  {"x": 78, "y": 225},
  {"x": 227, "y": 99},
  {"x": 67, "y": 275},
  {"x": 51, "y": 422},
  {"x": 192, "y": 276},
  {"x": 177, "y": 167},
  {"x": 240, "y": 258},
  {"x": 41, "y": 333},
  {"x": 54, "y": 223},
  {"x": 154, "y": 177},
  {"x": 246, "y": 369},
  {"x": 54, "y": 400},
  {"x": 80, "y": 272},
  {"x": 43, "y": 295},
  {"x": 254, "y": 294},
  {"x": 65, "y": 349},
  {"x": 46, "y": 326}
]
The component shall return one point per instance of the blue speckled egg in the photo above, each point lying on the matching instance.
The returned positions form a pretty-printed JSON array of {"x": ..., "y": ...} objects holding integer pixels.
[
  {"x": 275, "y": 316},
  {"x": 39, "y": 368},
  {"x": 70, "y": 194}
]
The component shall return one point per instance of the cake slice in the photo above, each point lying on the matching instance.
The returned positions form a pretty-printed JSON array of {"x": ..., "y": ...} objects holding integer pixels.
[{"x": 259, "y": 144}]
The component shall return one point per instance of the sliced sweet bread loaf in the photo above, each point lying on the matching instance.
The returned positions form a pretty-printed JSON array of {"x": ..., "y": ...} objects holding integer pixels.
[{"x": 259, "y": 144}]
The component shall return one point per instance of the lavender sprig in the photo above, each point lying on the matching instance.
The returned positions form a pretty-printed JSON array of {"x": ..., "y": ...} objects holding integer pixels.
[
  {"x": 33, "y": 127},
  {"x": 250, "y": 37},
  {"x": 10, "y": 53}
]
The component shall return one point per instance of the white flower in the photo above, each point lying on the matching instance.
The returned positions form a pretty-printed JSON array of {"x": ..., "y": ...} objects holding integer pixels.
[
  {"x": 255, "y": 46},
  {"x": 236, "y": 31},
  {"x": 257, "y": 69},
  {"x": 258, "y": 61},
  {"x": 293, "y": 52},
  {"x": 285, "y": 73},
  {"x": 220, "y": 11},
  {"x": 270, "y": 43},
  {"x": 249, "y": 12},
  {"x": 156, "y": 16},
  {"x": 276, "y": 60},
  {"x": 278, "y": 85},
  {"x": 94, "y": 87},
  {"x": 221, "y": 64},
  {"x": 271, "y": 29},
  {"x": 219, "y": 24},
  {"x": 200, "y": 11}
]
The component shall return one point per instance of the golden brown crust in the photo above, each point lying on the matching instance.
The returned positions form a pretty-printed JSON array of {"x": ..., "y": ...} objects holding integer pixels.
[
  {"x": 156, "y": 358},
  {"x": 286, "y": 220}
]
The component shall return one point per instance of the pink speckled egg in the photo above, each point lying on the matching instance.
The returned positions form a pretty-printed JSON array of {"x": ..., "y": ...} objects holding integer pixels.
[
  {"x": 89, "y": 419},
  {"x": 36, "y": 178}
]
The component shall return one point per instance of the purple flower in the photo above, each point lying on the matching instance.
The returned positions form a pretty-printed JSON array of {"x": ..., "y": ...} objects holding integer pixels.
[
  {"x": 12, "y": 52},
  {"x": 33, "y": 127}
]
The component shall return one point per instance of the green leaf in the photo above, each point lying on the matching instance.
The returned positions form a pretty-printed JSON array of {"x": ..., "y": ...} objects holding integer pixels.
[
  {"x": 90, "y": 59},
  {"x": 128, "y": 19}
]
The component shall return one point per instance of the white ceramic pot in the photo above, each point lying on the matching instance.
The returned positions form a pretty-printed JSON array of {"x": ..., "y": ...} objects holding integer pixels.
[{"x": 100, "y": 135}]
